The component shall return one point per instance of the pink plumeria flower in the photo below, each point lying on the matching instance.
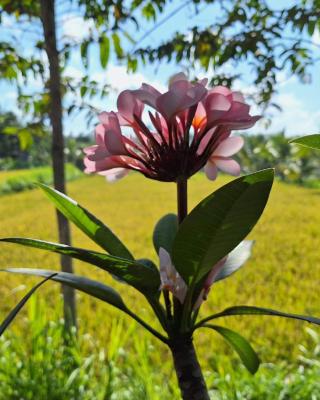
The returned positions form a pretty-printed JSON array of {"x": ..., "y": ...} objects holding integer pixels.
[
  {"x": 170, "y": 278},
  {"x": 225, "y": 267},
  {"x": 221, "y": 158},
  {"x": 188, "y": 128}
]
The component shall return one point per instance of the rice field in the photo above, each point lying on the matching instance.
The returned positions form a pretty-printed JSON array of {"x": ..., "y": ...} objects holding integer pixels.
[{"x": 283, "y": 273}]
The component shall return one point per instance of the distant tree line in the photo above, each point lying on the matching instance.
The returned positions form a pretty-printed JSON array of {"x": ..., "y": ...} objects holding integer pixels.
[
  {"x": 293, "y": 164},
  {"x": 21, "y": 147}
]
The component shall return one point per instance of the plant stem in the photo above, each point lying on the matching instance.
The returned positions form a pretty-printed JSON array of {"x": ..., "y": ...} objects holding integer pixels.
[
  {"x": 147, "y": 327},
  {"x": 182, "y": 199},
  {"x": 189, "y": 374}
]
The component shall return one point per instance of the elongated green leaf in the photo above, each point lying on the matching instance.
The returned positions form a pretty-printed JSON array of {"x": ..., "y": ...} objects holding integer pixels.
[
  {"x": 93, "y": 288},
  {"x": 104, "y": 50},
  {"x": 117, "y": 45},
  {"x": 164, "y": 232},
  {"x": 88, "y": 223},
  {"x": 312, "y": 141},
  {"x": 13, "y": 313},
  {"x": 219, "y": 223},
  {"x": 84, "y": 52},
  {"x": 252, "y": 310},
  {"x": 247, "y": 354},
  {"x": 141, "y": 276}
]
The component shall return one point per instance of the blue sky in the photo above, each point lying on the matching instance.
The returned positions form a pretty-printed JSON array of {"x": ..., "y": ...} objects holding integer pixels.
[{"x": 300, "y": 102}]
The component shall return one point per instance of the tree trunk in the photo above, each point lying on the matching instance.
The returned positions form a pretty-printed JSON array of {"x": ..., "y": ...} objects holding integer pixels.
[
  {"x": 49, "y": 28},
  {"x": 188, "y": 370}
]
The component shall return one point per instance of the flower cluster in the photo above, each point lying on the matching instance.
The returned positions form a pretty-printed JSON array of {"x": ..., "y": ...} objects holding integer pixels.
[{"x": 188, "y": 129}]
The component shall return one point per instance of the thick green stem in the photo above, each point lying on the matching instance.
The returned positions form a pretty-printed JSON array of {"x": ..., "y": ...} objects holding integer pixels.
[{"x": 189, "y": 374}]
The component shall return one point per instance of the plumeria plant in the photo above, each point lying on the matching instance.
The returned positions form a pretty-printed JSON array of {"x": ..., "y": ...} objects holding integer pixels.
[{"x": 169, "y": 137}]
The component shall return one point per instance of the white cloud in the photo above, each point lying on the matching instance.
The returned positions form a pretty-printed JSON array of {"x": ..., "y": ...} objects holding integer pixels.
[
  {"x": 119, "y": 79},
  {"x": 295, "y": 118},
  {"x": 73, "y": 72},
  {"x": 76, "y": 27},
  {"x": 316, "y": 37}
]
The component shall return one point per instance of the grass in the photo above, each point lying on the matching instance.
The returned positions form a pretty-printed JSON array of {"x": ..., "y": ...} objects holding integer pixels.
[
  {"x": 24, "y": 179},
  {"x": 53, "y": 365},
  {"x": 282, "y": 273}
]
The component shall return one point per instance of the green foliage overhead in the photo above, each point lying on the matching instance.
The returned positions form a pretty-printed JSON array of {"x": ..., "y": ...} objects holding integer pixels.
[{"x": 266, "y": 35}]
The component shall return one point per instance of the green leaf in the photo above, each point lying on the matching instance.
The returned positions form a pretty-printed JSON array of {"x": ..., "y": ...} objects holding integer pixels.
[
  {"x": 13, "y": 313},
  {"x": 117, "y": 45},
  {"x": 88, "y": 223},
  {"x": 312, "y": 141},
  {"x": 164, "y": 232},
  {"x": 93, "y": 288},
  {"x": 104, "y": 50},
  {"x": 83, "y": 90},
  {"x": 11, "y": 130},
  {"x": 25, "y": 139},
  {"x": 142, "y": 277},
  {"x": 84, "y": 52},
  {"x": 252, "y": 310},
  {"x": 245, "y": 351},
  {"x": 219, "y": 223}
]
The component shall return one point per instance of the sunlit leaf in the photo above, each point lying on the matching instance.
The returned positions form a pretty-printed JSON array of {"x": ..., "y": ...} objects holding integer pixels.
[
  {"x": 88, "y": 223},
  {"x": 245, "y": 351},
  {"x": 13, "y": 313},
  {"x": 252, "y": 310},
  {"x": 104, "y": 50},
  {"x": 143, "y": 277},
  {"x": 219, "y": 223},
  {"x": 312, "y": 141}
]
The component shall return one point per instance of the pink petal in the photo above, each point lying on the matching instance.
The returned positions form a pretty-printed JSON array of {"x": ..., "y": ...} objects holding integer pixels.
[
  {"x": 99, "y": 134},
  {"x": 221, "y": 90},
  {"x": 217, "y": 106},
  {"x": 228, "y": 165},
  {"x": 128, "y": 105},
  {"x": 211, "y": 170},
  {"x": 238, "y": 96},
  {"x": 115, "y": 174},
  {"x": 204, "y": 142},
  {"x": 147, "y": 94},
  {"x": 203, "y": 81},
  {"x": 181, "y": 96},
  {"x": 229, "y": 146},
  {"x": 181, "y": 76},
  {"x": 99, "y": 153},
  {"x": 217, "y": 102},
  {"x": 239, "y": 110},
  {"x": 200, "y": 117},
  {"x": 113, "y": 137},
  {"x": 99, "y": 165},
  {"x": 90, "y": 149}
]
